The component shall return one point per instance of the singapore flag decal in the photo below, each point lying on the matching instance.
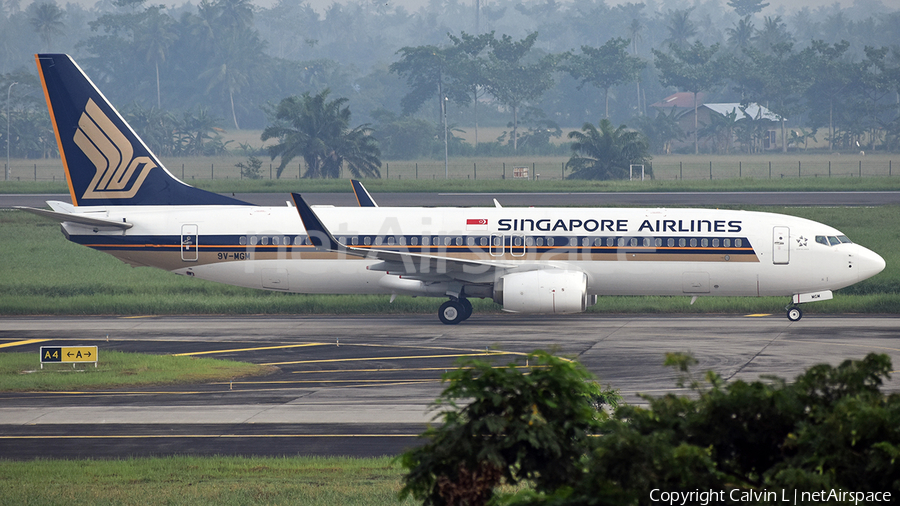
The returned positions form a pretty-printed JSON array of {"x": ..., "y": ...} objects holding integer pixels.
[{"x": 476, "y": 225}]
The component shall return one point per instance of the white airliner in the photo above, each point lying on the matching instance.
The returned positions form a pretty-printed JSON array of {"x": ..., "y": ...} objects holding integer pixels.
[{"x": 528, "y": 260}]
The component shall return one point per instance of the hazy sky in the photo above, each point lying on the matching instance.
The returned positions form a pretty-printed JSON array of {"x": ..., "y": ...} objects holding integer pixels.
[{"x": 775, "y": 6}]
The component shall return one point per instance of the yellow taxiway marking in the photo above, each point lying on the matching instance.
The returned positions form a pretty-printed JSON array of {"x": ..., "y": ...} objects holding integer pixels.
[
  {"x": 856, "y": 345},
  {"x": 22, "y": 343},
  {"x": 389, "y": 369},
  {"x": 757, "y": 315},
  {"x": 409, "y": 357},
  {"x": 238, "y": 350},
  {"x": 139, "y": 316}
]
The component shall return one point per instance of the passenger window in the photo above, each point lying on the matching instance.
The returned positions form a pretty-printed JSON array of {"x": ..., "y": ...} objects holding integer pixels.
[
  {"x": 738, "y": 243},
  {"x": 265, "y": 240},
  {"x": 550, "y": 241},
  {"x": 354, "y": 240},
  {"x": 715, "y": 243},
  {"x": 483, "y": 241},
  {"x": 243, "y": 240},
  {"x": 658, "y": 242},
  {"x": 367, "y": 241},
  {"x": 414, "y": 241},
  {"x": 682, "y": 242},
  {"x": 390, "y": 240},
  {"x": 540, "y": 241},
  {"x": 726, "y": 243},
  {"x": 704, "y": 242},
  {"x": 693, "y": 243},
  {"x": 670, "y": 242}
]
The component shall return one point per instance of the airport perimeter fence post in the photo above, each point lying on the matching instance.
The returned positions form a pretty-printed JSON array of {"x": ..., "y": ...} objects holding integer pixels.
[
  {"x": 387, "y": 171},
  {"x": 212, "y": 171},
  {"x": 681, "y": 171},
  {"x": 417, "y": 170},
  {"x": 504, "y": 171},
  {"x": 770, "y": 170},
  {"x": 740, "y": 170},
  {"x": 710, "y": 170},
  {"x": 474, "y": 171}
]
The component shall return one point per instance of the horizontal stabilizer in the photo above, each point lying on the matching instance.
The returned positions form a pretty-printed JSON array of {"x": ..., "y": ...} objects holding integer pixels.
[{"x": 77, "y": 218}]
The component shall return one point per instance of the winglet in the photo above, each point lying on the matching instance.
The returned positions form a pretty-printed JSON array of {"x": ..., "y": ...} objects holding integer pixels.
[
  {"x": 318, "y": 234},
  {"x": 362, "y": 195}
]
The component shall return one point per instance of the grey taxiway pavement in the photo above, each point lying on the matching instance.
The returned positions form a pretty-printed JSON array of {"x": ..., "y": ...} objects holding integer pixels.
[{"x": 362, "y": 385}]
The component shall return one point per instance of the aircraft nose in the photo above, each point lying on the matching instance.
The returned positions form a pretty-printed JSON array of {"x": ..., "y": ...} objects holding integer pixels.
[{"x": 869, "y": 263}]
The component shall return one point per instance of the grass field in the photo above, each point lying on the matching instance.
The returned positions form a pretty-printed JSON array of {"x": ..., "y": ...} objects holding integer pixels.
[
  {"x": 42, "y": 273},
  {"x": 21, "y": 372},
  {"x": 770, "y": 171},
  {"x": 200, "y": 481}
]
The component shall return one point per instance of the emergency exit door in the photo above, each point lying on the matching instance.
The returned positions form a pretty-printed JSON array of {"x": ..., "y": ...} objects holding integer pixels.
[
  {"x": 781, "y": 245},
  {"x": 189, "y": 243}
]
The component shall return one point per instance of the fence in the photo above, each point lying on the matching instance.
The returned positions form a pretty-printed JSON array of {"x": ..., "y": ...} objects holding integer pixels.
[{"x": 544, "y": 169}]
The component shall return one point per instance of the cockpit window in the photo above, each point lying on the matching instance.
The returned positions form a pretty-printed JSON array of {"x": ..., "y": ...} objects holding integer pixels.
[{"x": 832, "y": 240}]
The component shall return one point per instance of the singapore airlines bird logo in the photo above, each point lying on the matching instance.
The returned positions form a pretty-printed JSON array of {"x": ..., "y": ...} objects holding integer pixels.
[{"x": 119, "y": 173}]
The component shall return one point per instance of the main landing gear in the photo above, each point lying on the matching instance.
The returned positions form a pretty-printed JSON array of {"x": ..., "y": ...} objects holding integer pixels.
[
  {"x": 455, "y": 310},
  {"x": 794, "y": 313}
]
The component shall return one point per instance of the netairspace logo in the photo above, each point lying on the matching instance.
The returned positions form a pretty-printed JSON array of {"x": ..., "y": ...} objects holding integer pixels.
[{"x": 783, "y": 496}]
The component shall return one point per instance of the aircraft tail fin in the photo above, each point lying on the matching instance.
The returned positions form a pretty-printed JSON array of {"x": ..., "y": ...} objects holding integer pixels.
[
  {"x": 362, "y": 195},
  {"x": 106, "y": 162}
]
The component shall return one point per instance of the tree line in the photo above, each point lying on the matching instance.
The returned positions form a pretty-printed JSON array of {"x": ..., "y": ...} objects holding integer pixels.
[{"x": 414, "y": 78}]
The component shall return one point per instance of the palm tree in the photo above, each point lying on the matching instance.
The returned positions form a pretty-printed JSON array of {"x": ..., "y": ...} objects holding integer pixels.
[
  {"x": 605, "y": 152},
  {"x": 742, "y": 35},
  {"x": 318, "y": 130},
  {"x": 155, "y": 39},
  {"x": 46, "y": 18},
  {"x": 681, "y": 28}
]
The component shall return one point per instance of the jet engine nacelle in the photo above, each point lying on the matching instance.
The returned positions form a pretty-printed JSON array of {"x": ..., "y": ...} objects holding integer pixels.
[{"x": 542, "y": 291}]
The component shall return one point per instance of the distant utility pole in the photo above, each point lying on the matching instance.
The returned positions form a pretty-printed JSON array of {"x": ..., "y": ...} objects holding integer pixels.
[{"x": 8, "y": 91}]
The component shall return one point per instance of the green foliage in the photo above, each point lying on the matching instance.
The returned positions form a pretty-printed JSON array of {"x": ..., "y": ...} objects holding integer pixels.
[
  {"x": 507, "y": 424},
  {"x": 605, "y": 152},
  {"x": 252, "y": 169},
  {"x": 319, "y": 131},
  {"x": 747, "y": 7},
  {"x": 830, "y": 429}
]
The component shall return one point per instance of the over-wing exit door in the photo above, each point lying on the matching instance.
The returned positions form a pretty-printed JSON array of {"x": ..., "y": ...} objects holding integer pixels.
[{"x": 781, "y": 245}]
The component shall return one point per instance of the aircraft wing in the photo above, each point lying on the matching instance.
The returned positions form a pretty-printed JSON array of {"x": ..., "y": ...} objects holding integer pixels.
[
  {"x": 412, "y": 265},
  {"x": 77, "y": 218}
]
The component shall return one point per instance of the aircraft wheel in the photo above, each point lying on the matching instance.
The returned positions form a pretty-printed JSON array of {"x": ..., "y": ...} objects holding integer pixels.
[
  {"x": 794, "y": 314},
  {"x": 451, "y": 312},
  {"x": 467, "y": 307}
]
